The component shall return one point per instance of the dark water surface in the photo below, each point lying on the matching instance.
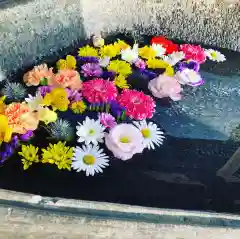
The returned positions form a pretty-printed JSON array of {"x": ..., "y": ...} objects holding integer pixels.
[{"x": 189, "y": 171}]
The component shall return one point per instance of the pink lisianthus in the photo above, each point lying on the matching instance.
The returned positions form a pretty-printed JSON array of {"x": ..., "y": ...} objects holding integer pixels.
[
  {"x": 138, "y": 105},
  {"x": 194, "y": 52},
  {"x": 165, "y": 86},
  {"x": 67, "y": 78},
  {"x": 99, "y": 91},
  {"x": 107, "y": 120},
  {"x": 124, "y": 140},
  {"x": 189, "y": 77}
]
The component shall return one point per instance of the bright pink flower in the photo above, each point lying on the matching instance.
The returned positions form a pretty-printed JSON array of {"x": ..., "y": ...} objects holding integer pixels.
[
  {"x": 138, "y": 105},
  {"x": 124, "y": 140},
  {"x": 99, "y": 91},
  {"x": 165, "y": 86},
  {"x": 107, "y": 120},
  {"x": 194, "y": 52}
]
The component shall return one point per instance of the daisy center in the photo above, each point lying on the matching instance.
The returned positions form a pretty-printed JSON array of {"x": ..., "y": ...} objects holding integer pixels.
[
  {"x": 146, "y": 133},
  {"x": 89, "y": 159},
  {"x": 125, "y": 140},
  {"x": 91, "y": 132},
  {"x": 214, "y": 54}
]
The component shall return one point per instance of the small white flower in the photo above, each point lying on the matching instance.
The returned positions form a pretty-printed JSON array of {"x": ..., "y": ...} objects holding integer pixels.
[
  {"x": 89, "y": 159},
  {"x": 104, "y": 62},
  {"x": 215, "y": 55},
  {"x": 35, "y": 102},
  {"x": 159, "y": 49},
  {"x": 90, "y": 131},
  {"x": 130, "y": 55},
  {"x": 174, "y": 58},
  {"x": 151, "y": 133}
]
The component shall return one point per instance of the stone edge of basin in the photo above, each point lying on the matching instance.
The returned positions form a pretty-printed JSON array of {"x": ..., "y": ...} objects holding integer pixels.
[
  {"x": 112, "y": 211},
  {"x": 31, "y": 31}
]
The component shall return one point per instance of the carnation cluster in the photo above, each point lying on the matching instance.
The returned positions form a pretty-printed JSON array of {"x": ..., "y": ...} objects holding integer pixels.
[{"x": 85, "y": 111}]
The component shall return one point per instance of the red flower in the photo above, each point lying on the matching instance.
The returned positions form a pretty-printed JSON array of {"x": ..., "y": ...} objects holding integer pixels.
[
  {"x": 138, "y": 105},
  {"x": 169, "y": 45},
  {"x": 194, "y": 52}
]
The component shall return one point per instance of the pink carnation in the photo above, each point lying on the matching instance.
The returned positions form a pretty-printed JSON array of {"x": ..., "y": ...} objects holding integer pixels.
[
  {"x": 124, "y": 140},
  {"x": 165, "y": 86},
  {"x": 99, "y": 91},
  {"x": 194, "y": 52},
  {"x": 138, "y": 105},
  {"x": 107, "y": 120},
  {"x": 67, "y": 78}
]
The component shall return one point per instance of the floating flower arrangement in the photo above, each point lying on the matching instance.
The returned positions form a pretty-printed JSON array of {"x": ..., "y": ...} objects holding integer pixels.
[{"x": 87, "y": 107}]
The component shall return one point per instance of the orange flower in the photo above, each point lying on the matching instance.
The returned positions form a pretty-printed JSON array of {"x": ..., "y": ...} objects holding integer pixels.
[
  {"x": 37, "y": 74},
  {"x": 68, "y": 78},
  {"x": 21, "y": 118}
]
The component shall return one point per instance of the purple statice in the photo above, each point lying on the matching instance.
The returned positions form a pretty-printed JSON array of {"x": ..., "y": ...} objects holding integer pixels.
[
  {"x": 91, "y": 69},
  {"x": 74, "y": 95},
  {"x": 191, "y": 65},
  {"x": 108, "y": 75},
  {"x": 87, "y": 59},
  {"x": 150, "y": 74},
  {"x": 43, "y": 90},
  {"x": 15, "y": 141},
  {"x": 28, "y": 135},
  {"x": 116, "y": 109}
]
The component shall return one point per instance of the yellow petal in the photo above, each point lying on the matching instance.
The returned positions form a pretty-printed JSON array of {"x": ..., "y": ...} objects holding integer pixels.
[
  {"x": 8, "y": 135},
  {"x": 71, "y": 62}
]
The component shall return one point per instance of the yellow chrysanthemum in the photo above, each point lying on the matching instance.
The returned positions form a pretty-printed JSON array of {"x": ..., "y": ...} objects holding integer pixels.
[
  {"x": 78, "y": 107},
  {"x": 30, "y": 155},
  {"x": 57, "y": 98},
  {"x": 88, "y": 51},
  {"x": 121, "y": 82},
  {"x": 147, "y": 52},
  {"x": 109, "y": 51},
  {"x": 157, "y": 64},
  {"x": 58, "y": 154},
  {"x": 121, "y": 45},
  {"x": 120, "y": 67},
  {"x": 5, "y": 130},
  {"x": 169, "y": 71},
  {"x": 70, "y": 63},
  {"x": 2, "y": 104}
]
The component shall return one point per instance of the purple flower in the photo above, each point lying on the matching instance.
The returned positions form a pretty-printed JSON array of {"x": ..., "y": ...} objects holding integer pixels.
[
  {"x": 91, "y": 69},
  {"x": 107, "y": 120},
  {"x": 74, "y": 95},
  {"x": 15, "y": 141},
  {"x": 191, "y": 65},
  {"x": 26, "y": 136},
  {"x": 108, "y": 75},
  {"x": 148, "y": 73},
  {"x": 87, "y": 59},
  {"x": 116, "y": 109},
  {"x": 44, "y": 90}
]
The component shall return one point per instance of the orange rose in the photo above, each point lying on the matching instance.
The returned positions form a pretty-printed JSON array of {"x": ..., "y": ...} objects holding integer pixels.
[
  {"x": 68, "y": 78},
  {"x": 38, "y": 73},
  {"x": 20, "y": 118}
]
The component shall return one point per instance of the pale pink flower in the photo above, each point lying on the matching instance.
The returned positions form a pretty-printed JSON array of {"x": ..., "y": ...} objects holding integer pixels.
[
  {"x": 38, "y": 73},
  {"x": 189, "y": 77},
  {"x": 194, "y": 52},
  {"x": 138, "y": 105},
  {"x": 67, "y": 78},
  {"x": 165, "y": 86},
  {"x": 107, "y": 120},
  {"x": 124, "y": 140},
  {"x": 141, "y": 64}
]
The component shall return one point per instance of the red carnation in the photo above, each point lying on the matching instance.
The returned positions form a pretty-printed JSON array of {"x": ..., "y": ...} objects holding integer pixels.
[{"x": 169, "y": 45}]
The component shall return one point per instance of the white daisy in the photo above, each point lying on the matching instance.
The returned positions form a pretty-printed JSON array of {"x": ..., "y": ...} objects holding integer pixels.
[
  {"x": 35, "y": 102},
  {"x": 130, "y": 55},
  {"x": 151, "y": 133},
  {"x": 174, "y": 58},
  {"x": 215, "y": 55},
  {"x": 159, "y": 49},
  {"x": 90, "y": 131},
  {"x": 90, "y": 159}
]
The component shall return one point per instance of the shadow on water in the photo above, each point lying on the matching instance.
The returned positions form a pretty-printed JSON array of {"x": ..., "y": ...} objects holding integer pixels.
[{"x": 12, "y": 3}]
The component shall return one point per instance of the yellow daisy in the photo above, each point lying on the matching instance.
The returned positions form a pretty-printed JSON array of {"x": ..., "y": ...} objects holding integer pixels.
[
  {"x": 157, "y": 64},
  {"x": 58, "y": 154},
  {"x": 70, "y": 63},
  {"x": 121, "y": 45},
  {"x": 109, "y": 51},
  {"x": 120, "y": 67},
  {"x": 78, "y": 107},
  {"x": 87, "y": 51},
  {"x": 147, "y": 52},
  {"x": 121, "y": 82},
  {"x": 30, "y": 155}
]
